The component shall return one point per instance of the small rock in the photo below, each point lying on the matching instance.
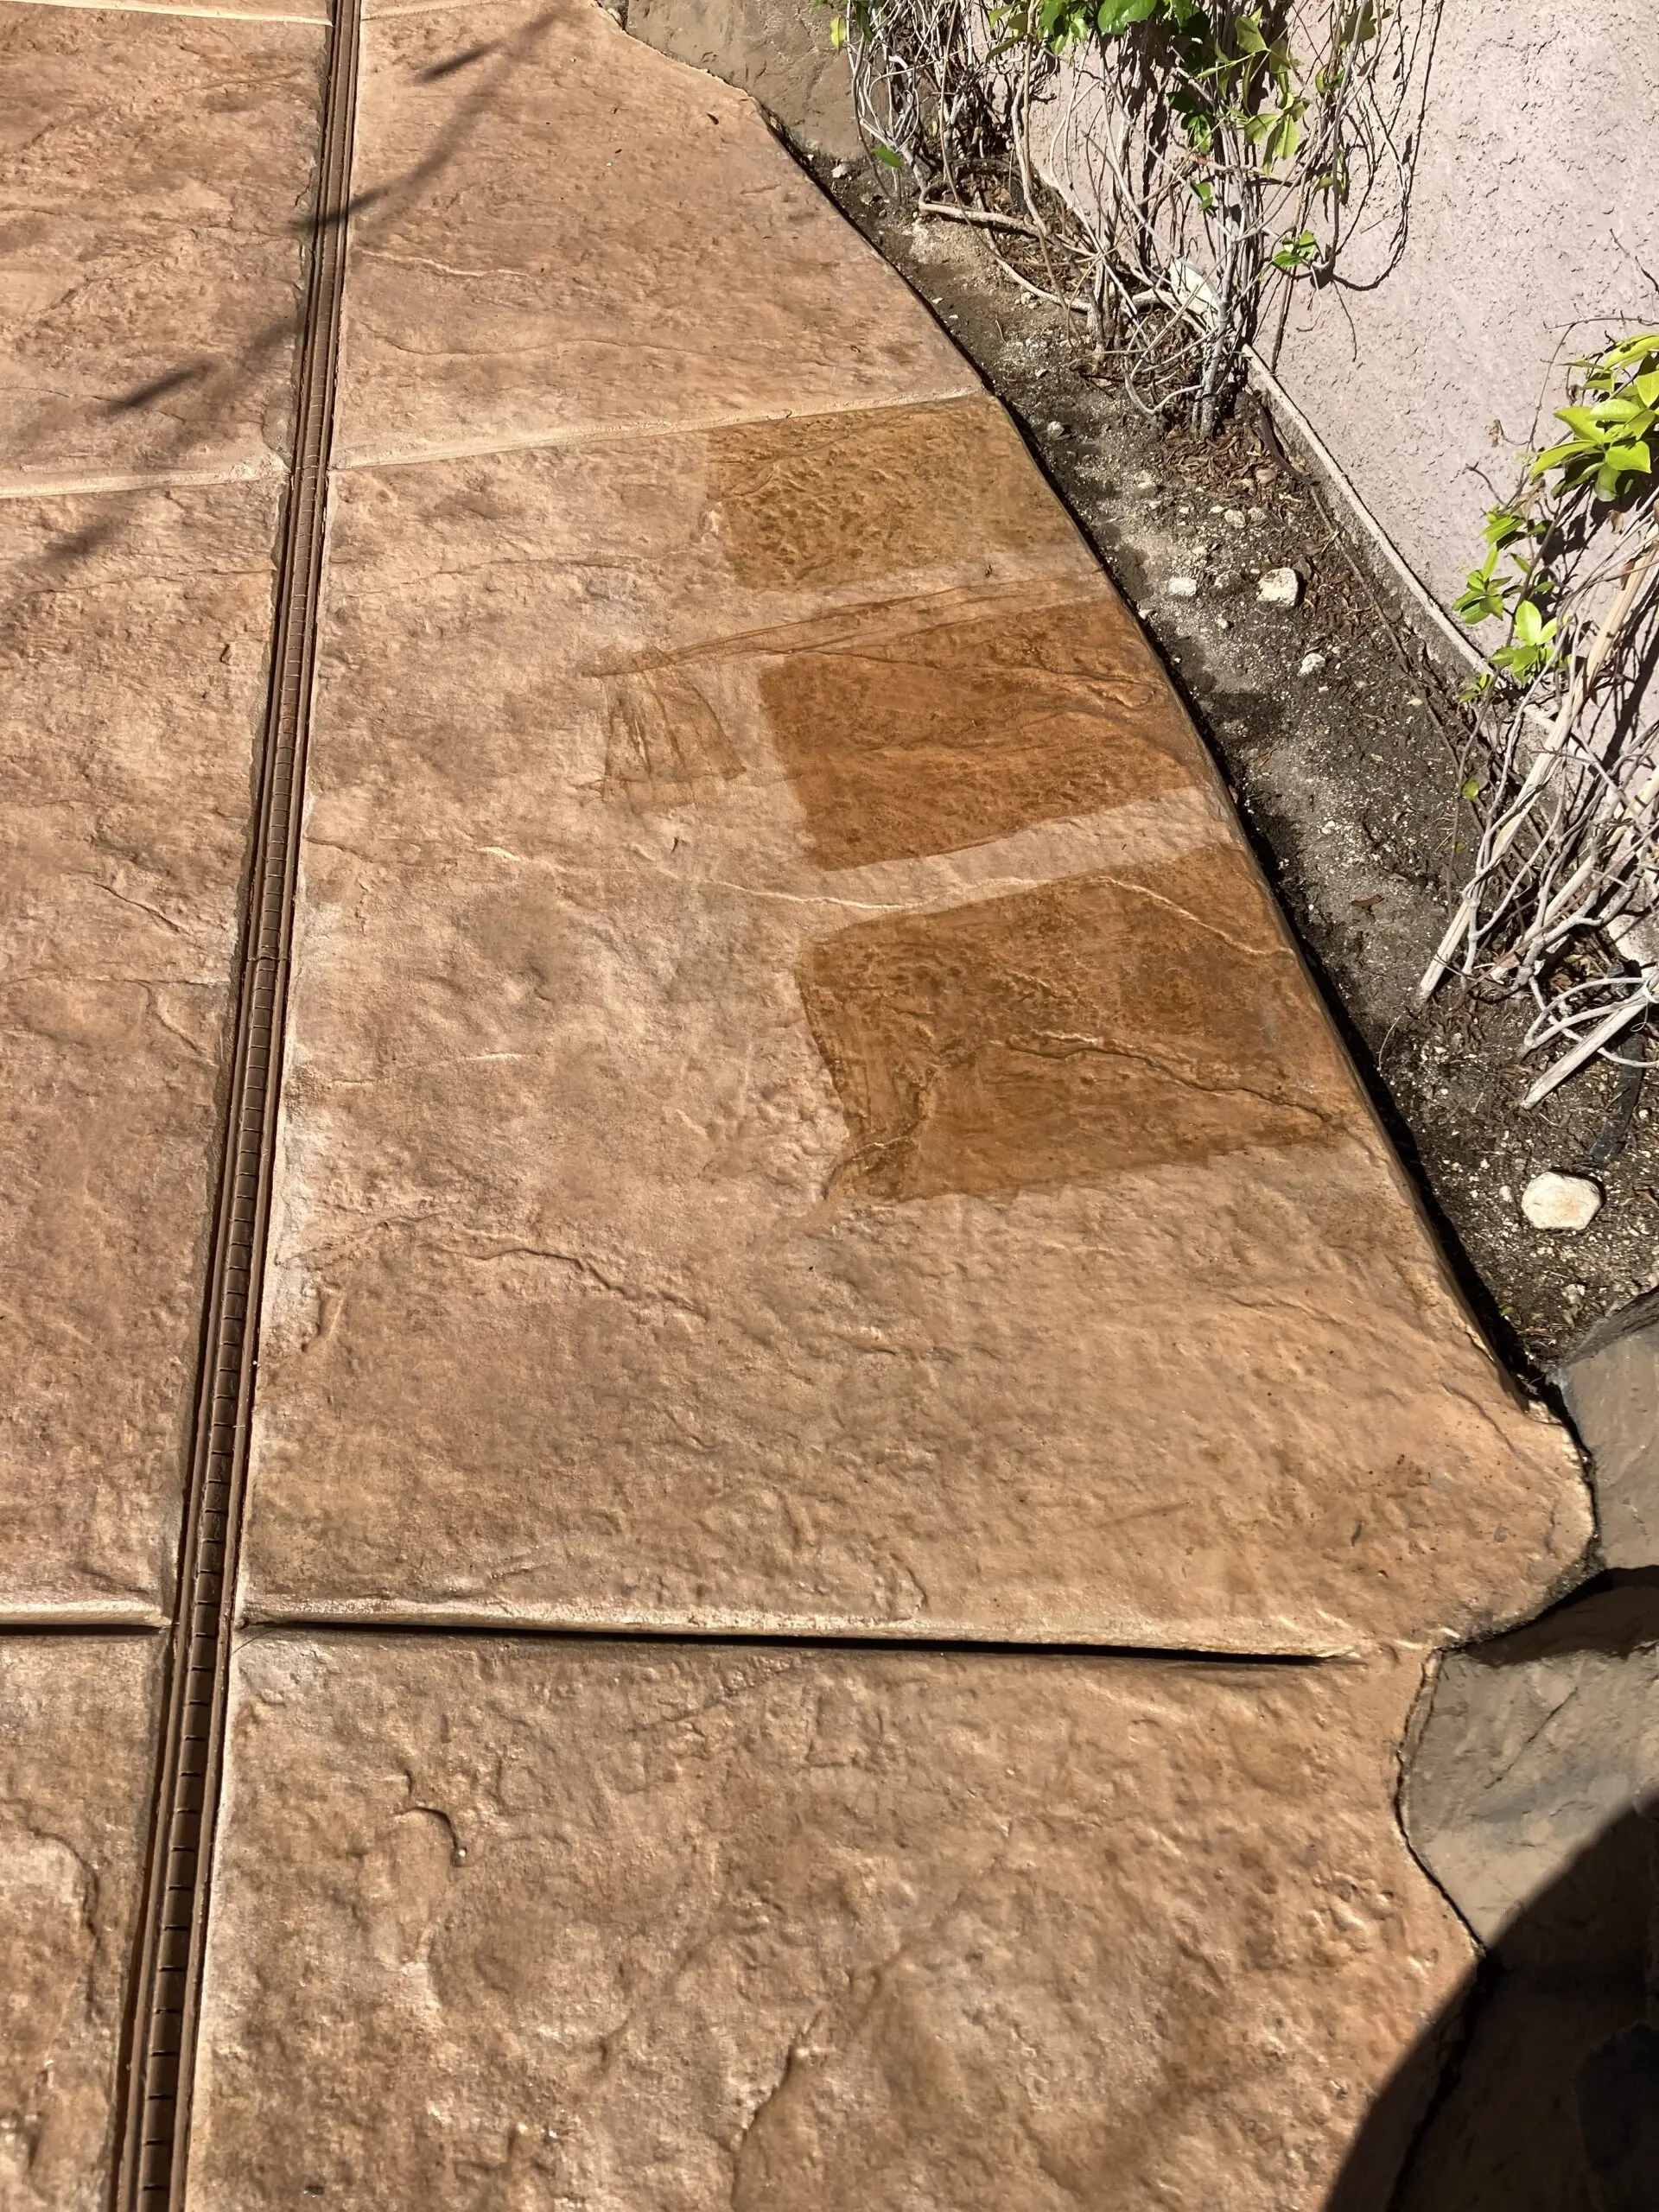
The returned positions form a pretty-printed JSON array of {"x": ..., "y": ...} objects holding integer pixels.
[
  {"x": 1279, "y": 588},
  {"x": 1553, "y": 1201},
  {"x": 1233, "y": 518},
  {"x": 1145, "y": 612},
  {"x": 1313, "y": 664},
  {"x": 1222, "y": 623},
  {"x": 1143, "y": 482},
  {"x": 1257, "y": 514},
  {"x": 840, "y": 169},
  {"x": 1182, "y": 586},
  {"x": 1057, "y": 429}
]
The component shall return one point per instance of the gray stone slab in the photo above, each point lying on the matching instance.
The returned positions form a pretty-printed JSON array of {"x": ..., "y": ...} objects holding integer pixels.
[{"x": 1610, "y": 1383}]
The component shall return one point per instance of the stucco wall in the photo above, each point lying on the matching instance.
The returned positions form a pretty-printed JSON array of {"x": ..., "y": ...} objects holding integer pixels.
[{"x": 1535, "y": 203}]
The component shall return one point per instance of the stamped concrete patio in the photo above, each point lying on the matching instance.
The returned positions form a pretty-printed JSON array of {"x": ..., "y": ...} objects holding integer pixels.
[{"x": 858, "y": 1447}]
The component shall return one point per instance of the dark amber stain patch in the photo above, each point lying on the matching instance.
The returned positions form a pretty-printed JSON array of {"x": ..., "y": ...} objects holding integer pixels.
[
  {"x": 838, "y": 498},
  {"x": 967, "y": 730},
  {"x": 663, "y": 743},
  {"x": 1071, "y": 1033}
]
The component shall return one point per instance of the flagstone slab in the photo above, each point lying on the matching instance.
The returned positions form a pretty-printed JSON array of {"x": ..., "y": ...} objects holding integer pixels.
[
  {"x": 800, "y": 1114},
  {"x": 76, "y": 1719},
  {"x": 132, "y": 676},
  {"x": 557, "y": 227},
  {"x": 155, "y": 179},
  {"x": 504, "y": 1921}
]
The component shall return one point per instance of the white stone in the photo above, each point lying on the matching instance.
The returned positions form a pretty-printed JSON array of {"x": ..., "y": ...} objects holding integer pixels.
[
  {"x": 1182, "y": 586},
  {"x": 1553, "y": 1201},
  {"x": 1313, "y": 664},
  {"x": 1279, "y": 588},
  {"x": 1234, "y": 518}
]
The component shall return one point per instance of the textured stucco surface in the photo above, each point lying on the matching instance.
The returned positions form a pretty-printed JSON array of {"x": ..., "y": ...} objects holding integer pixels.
[{"x": 1533, "y": 220}]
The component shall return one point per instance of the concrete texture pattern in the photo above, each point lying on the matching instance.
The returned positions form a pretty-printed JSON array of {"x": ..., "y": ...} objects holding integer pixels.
[
  {"x": 799, "y": 1117},
  {"x": 77, "y": 1719},
  {"x": 685, "y": 1929}
]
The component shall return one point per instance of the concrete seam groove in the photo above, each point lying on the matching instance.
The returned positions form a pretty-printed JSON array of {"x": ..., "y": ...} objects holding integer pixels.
[
  {"x": 495, "y": 1629},
  {"x": 164, "y": 2015}
]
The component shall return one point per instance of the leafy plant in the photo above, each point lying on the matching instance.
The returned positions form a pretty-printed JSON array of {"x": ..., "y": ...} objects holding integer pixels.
[
  {"x": 1569, "y": 857},
  {"x": 1231, "y": 148}
]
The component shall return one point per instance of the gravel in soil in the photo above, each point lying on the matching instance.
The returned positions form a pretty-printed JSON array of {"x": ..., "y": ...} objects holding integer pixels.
[{"x": 1347, "y": 757}]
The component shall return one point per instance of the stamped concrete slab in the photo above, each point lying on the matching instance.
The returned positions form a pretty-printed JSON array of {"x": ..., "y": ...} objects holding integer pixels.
[
  {"x": 508, "y": 1923},
  {"x": 76, "y": 1719},
  {"x": 132, "y": 671},
  {"x": 799, "y": 1113},
  {"x": 155, "y": 173},
  {"x": 558, "y": 227}
]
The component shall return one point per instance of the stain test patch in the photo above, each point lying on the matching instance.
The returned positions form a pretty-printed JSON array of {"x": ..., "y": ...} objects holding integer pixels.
[
  {"x": 971, "y": 729},
  {"x": 831, "y": 499},
  {"x": 1071, "y": 1032}
]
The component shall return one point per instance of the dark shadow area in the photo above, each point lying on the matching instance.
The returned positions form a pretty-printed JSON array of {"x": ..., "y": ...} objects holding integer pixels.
[{"x": 1538, "y": 2089}]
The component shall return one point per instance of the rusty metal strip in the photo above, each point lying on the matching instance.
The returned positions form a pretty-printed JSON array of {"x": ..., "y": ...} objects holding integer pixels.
[{"x": 164, "y": 2013}]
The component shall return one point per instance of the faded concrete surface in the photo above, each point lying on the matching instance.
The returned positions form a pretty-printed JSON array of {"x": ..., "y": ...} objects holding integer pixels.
[
  {"x": 799, "y": 1113},
  {"x": 133, "y": 645},
  {"x": 623, "y": 1926},
  {"x": 550, "y": 241},
  {"x": 155, "y": 185},
  {"x": 77, "y": 1719}
]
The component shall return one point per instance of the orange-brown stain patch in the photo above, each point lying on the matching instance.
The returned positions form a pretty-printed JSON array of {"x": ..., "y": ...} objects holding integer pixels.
[
  {"x": 950, "y": 735},
  {"x": 838, "y": 499},
  {"x": 1071, "y": 1033},
  {"x": 663, "y": 743}
]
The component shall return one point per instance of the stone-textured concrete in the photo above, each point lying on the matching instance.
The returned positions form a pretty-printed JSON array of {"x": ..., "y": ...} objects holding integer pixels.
[
  {"x": 799, "y": 1111},
  {"x": 560, "y": 228},
  {"x": 133, "y": 646},
  {"x": 155, "y": 175},
  {"x": 77, "y": 1717},
  {"x": 525, "y": 1923},
  {"x": 779, "y": 53},
  {"x": 1610, "y": 1383}
]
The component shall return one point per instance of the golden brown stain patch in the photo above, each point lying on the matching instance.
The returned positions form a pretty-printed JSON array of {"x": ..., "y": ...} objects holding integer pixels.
[
  {"x": 832, "y": 500},
  {"x": 969, "y": 729},
  {"x": 1073, "y": 1032},
  {"x": 663, "y": 743}
]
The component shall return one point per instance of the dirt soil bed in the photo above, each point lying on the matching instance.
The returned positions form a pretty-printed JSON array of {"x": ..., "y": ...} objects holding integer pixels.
[{"x": 1346, "y": 755}]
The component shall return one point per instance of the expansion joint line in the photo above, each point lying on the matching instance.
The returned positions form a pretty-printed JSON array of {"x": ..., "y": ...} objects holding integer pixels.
[{"x": 164, "y": 2017}]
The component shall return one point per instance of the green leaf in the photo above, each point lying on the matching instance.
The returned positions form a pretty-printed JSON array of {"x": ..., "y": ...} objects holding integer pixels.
[
  {"x": 1471, "y": 788},
  {"x": 886, "y": 154},
  {"x": 1116, "y": 15}
]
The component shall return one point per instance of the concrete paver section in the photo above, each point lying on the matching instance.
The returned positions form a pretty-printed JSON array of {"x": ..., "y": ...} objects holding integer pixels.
[
  {"x": 520, "y": 1923},
  {"x": 557, "y": 227},
  {"x": 799, "y": 1113},
  {"x": 154, "y": 180},
  {"x": 133, "y": 650},
  {"x": 77, "y": 1722}
]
